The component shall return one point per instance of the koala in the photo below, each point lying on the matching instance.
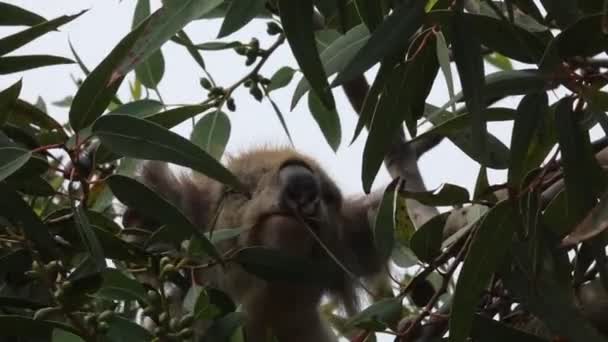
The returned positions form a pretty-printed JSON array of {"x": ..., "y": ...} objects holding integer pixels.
[{"x": 290, "y": 198}]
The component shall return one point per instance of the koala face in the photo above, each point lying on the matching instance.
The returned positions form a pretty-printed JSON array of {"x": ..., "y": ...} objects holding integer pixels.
[{"x": 290, "y": 198}]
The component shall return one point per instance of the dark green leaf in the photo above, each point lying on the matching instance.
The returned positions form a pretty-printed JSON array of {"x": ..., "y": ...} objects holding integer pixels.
[
  {"x": 371, "y": 12},
  {"x": 19, "y": 326},
  {"x": 194, "y": 53},
  {"x": 585, "y": 38},
  {"x": 88, "y": 237},
  {"x": 11, "y": 160},
  {"x": 215, "y": 46},
  {"x": 327, "y": 119},
  {"x": 142, "y": 11},
  {"x": 139, "y": 108},
  {"x": 582, "y": 175},
  {"x": 450, "y": 124},
  {"x": 19, "y": 213},
  {"x": 163, "y": 24},
  {"x": 467, "y": 55},
  {"x": 378, "y": 316},
  {"x": 117, "y": 286},
  {"x": 399, "y": 102},
  {"x": 17, "y": 40},
  {"x": 33, "y": 185},
  {"x": 530, "y": 113},
  {"x": 150, "y": 72},
  {"x": 593, "y": 224},
  {"x": 60, "y": 335},
  {"x": 173, "y": 117},
  {"x": 239, "y": 14},
  {"x": 138, "y": 196},
  {"x": 280, "y": 116},
  {"x": 100, "y": 87},
  {"x": 296, "y": 18},
  {"x": 335, "y": 56},
  {"x": 391, "y": 36},
  {"x": 81, "y": 64},
  {"x": 276, "y": 265},
  {"x": 224, "y": 328},
  {"x": 11, "y": 15},
  {"x": 443, "y": 57},
  {"x": 487, "y": 250},
  {"x": 211, "y": 133},
  {"x": 281, "y": 78},
  {"x": 384, "y": 224},
  {"x": 446, "y": 194},
  {"x": 487, "y": 329},
  {"x": 25, "y": 114},
  {"x": 141, "y": 139},
  {"x": 8, "y": 98},
  {"x": 564, "y": 13},
  {"x": 11, "y": 64},
  {"x": 125, "y": 330},
  {"x": 426, "y": 241}
]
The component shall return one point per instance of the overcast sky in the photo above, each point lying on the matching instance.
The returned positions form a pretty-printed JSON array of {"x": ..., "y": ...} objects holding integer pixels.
[{"x": 253, "y": 124}]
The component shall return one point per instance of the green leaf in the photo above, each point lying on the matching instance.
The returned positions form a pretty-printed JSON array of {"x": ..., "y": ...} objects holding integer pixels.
[
  {"x": 100, "y": 86},
  {"x": 450, "y": 124},
  {"x": 443, "y": 56},
  {"x": 276, "y": 265},
  {"x": 296, "y": 18},
  {"x": 211, "y": 133},
  {"x": 487, "y": 329},
  {"x": 593, "y": 224},
  {"x": 327, "y": 119},
  {"x": 25, "y": 115},
  {"x": 222, "y": 329},
  {"x": 141, "y": 198},
  {"x": 11, "y": 160},
  {"x": 530, "y": 113},
  {"x": 159, "y": 28},
  {"x": 446, "y": 194},
  {"x": 88, "y": 237},
  {"x": 391, "y": 36},
  {"x": 173, "y": 117},
  {"x": 17, "y": 40},
  {"x": 564, "y": 13},
  {"x": 335, "y": 57},
  {"x": 279, "y": 114},
  {"x": 216, "y": 46},
  {"x": 117, "y": 286},
  {"x": 19, "y": 213},
  {"x": 142, "y": 11},
  {"x": 384, "y": 224},
  {"x": 586, "y": 38},
  {"x": 487, "y": 250},
  {"x": 467, "y": 55},
  {"x": 399, "y": 102},
  {"x": 8, "y": 98},
  {"x": 582, "y": 175},
  {"x": 150, "y": 72},
  {"x": 60, "y": 335},
  {"x": 239, "y": 14},
  {"x": 378, "y": 316},
  {"x": 140, "y": 108},
  {"x": 499, "y": 61},
  {"x": 19, "y": 326},
  {"x": 426, "y": 241},
  {"x": 371, "y": 12},
  {"x": 281, "y": 78},
  {"x": 11, "y": 15},
  {"x": 12, "y": 64},
  {"x": 141, "y": 139},
  {"x": 81, "y": 64},
  {"x": 125, "y": 330}
]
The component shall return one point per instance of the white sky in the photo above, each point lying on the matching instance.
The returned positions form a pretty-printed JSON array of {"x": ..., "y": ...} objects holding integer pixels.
[{"x": 97, "y": 31}]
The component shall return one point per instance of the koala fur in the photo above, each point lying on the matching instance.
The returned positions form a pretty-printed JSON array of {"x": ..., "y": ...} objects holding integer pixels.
[{"x": 277, "y": 179}]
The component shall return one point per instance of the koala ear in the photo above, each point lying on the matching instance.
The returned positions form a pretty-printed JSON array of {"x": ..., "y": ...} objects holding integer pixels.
[{"x": 193, "y": 194}]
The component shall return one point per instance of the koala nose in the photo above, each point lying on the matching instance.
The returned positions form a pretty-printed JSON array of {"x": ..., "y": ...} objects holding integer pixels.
[{"x": 300, "y": 189}]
